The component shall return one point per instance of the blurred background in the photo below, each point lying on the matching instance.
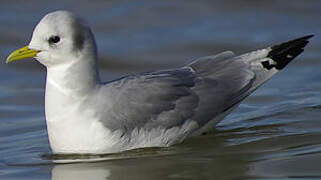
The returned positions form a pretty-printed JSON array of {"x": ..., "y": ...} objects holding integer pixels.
[{"x": 274, "y": 134}]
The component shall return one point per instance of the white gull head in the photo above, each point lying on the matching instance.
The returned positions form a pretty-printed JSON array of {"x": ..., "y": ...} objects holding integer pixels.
[{"x": 61, "y": 38}]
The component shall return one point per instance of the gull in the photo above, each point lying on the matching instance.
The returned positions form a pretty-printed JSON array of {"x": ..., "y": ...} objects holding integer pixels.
[{"x": 153, "y": 109}]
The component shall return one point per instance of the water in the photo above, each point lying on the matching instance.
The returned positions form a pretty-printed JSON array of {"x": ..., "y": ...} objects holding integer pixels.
[{"x": 274, "y": 134}]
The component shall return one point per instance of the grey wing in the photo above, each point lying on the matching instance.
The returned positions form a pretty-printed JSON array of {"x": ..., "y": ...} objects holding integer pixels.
[
  {"x": 162, "y": 98},
  {"x": 197, "y": 92},
  {"x": 202, "y": 91}
]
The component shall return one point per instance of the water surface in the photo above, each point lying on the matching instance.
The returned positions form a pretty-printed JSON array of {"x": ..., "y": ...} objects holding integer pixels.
[{"x": 274, "y": 134}]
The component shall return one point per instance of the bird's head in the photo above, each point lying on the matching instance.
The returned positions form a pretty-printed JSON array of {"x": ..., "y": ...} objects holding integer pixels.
[{"x": 60, "y": 37}]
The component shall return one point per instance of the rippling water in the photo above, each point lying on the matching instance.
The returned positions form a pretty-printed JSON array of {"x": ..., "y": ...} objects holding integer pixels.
[{"x": 274, "y": 134}]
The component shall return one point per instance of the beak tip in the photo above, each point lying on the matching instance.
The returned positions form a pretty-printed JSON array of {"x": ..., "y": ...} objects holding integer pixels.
[{"x": 8, "y": 60}]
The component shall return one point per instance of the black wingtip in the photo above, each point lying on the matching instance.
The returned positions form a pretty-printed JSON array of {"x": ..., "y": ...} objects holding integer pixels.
[{"x": 284, "y": 53}]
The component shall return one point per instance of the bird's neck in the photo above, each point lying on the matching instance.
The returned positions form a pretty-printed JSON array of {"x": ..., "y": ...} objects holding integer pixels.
[{"x": 73, "y": 79}]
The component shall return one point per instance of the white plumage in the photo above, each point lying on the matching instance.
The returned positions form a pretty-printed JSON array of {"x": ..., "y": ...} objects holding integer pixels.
[{"x": 159, "y": 108}]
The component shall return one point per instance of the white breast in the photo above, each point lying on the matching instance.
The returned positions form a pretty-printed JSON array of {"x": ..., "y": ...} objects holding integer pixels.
[{"x": 71, "y": 127}]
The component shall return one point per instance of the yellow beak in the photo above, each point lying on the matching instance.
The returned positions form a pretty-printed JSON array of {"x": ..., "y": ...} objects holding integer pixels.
[{"x": 22, "y": 53}]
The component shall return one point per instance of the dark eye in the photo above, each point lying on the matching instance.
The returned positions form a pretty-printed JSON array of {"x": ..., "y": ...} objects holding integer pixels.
[{"x": 54, "y": 39}]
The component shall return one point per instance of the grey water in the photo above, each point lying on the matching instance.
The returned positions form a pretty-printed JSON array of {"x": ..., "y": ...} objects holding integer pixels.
[{"x": 274, "y": 134}]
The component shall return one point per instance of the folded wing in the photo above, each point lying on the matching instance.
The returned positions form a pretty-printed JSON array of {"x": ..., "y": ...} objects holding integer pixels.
[{"x": 203, "y": 92}]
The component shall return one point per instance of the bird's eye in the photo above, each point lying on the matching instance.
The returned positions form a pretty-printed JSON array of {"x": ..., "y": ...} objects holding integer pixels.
[{"x": 54, "y": 39}]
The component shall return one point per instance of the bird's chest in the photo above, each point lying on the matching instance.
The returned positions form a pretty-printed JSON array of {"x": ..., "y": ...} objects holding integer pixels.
[{"x": 72, "y": 124}]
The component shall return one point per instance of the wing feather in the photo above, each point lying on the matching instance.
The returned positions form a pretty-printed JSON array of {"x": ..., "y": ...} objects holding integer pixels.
[{"x": 197, "y": 92}]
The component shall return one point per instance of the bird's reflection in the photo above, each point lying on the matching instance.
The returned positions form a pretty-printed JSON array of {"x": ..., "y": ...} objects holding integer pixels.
[
  {"x": 205, "y": 161},
  {"x": 80, "y": 171}
]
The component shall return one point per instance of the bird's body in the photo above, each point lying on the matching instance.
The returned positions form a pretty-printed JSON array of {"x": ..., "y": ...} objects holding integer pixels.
[{"x": 151, "y": 109}]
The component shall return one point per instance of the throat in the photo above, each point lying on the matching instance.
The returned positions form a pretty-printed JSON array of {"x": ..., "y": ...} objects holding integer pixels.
[
  {"x": 73, "y": 79},
  {"x": 68, "y": 87}
]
